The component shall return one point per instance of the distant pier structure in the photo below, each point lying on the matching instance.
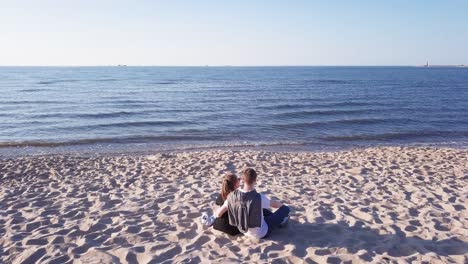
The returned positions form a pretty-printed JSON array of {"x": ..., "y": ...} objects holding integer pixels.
[{"x": 443, "y": 65}]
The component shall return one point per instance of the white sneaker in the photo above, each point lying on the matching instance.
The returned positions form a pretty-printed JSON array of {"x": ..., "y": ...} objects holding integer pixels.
[{"x": 207, "y": 220}]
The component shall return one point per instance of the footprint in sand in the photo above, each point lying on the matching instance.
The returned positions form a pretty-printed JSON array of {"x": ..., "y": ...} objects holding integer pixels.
[{"x": 37, "y": 241}]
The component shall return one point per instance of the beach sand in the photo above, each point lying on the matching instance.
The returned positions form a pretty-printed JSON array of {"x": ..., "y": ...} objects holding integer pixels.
[{"x": 381, "y": 205}]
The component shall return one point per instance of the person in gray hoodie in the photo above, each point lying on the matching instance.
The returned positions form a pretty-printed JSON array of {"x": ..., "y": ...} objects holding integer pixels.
[{"x": 245, "y": 209}]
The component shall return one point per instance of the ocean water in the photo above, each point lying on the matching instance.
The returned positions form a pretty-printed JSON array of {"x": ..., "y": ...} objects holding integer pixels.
[{"x": 133, "y": 109}]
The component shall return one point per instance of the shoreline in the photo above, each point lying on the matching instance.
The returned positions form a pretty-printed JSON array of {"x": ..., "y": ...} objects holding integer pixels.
[
  {"x": 131, "y": 150},
  {"x": 376, "y": 204}
]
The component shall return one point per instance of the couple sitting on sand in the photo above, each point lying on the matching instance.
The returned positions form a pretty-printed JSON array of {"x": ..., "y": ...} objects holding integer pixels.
[{"x": 244, "y": 210}]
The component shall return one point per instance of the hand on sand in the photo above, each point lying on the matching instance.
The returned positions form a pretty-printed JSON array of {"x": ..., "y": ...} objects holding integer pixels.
[{"x": 284, "y": 222}]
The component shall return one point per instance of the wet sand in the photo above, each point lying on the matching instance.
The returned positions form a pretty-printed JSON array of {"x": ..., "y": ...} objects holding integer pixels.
[{"x": 381, "y": 205}]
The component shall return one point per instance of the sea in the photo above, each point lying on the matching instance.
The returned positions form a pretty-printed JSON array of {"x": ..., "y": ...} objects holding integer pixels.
[{"x": 95, "y": 110}]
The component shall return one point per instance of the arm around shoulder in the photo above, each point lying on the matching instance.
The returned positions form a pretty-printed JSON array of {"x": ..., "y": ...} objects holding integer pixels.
[{"x": 223, "y": 209}]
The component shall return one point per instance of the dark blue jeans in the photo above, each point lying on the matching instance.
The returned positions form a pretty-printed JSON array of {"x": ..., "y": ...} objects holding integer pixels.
[{"x": 274, "y": 219}]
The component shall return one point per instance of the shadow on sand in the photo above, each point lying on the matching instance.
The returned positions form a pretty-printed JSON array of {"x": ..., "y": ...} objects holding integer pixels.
[{"x": 359, "y": 237}]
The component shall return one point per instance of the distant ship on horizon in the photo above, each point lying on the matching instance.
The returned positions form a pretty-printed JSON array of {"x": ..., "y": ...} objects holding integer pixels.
[{"x": 437, "y": 66}]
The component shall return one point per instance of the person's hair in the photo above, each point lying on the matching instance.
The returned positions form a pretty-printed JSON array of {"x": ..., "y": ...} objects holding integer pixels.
[
  {"x": 249, "y": 176},
  {"x": 229, "y": 185}
]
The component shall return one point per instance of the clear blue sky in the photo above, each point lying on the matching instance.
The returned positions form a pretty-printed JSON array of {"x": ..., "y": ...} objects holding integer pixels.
[{"x": 273, "y": 32}]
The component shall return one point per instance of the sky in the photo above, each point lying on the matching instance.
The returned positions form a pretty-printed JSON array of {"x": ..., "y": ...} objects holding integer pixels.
[{"x": 248, "y": 33}]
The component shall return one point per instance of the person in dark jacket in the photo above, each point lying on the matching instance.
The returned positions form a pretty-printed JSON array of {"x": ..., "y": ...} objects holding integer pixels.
[{"x": 230, "y": 183}]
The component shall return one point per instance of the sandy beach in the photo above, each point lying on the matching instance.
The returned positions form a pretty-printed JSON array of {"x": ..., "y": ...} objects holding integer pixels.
[{"x": 379, "y": 205}]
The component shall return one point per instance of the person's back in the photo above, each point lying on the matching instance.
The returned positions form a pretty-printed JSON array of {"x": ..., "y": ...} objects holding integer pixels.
[{"x": 245, "y": 209}]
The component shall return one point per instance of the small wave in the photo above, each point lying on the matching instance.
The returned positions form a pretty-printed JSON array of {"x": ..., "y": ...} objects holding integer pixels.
[
  {"x": 116, "y": 140},
  {"x": 352, "y": 104},
  {"x": 284, "y": 106},
  {"x": 164, "y": 83},
  {"x": 282, "y": 100},
  {"x": 32, "y": 90},
  {"x": 48, "y": 115},
  {"x": 326, "y": 81},
  {"x": 138, "y": 124},
  {"x": 129, "y": 104},
  {"x": 244, "y": 145},
  {"x": 362, "y": 121},
  {"x": 58, "y": 81},
  {"x": 7, "y": 114},
  {"x": 106, "y": 80},
  {"x": 19, "y": 102},
  {"x": 300, "y": 106},
  {"x": 215, "y": 100},
  {"x": 331, "y": 81},
  {"x": 82, "y": 115},
  {"x": 107, "y": 115},
  {"x": 224, "y": 90},
  {"x": 20, "y": 123},
  {"x": 324, "y": 112},
  {"x": 126, "y": 101},
  {"x": 396, "y": 136},
  {"x": 357, "y": 121}
]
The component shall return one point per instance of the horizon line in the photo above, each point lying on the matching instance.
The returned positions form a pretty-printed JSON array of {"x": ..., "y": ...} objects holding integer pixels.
[
  {"x": 223, "y": 65},
  {"x": 228, "y": 65}
]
